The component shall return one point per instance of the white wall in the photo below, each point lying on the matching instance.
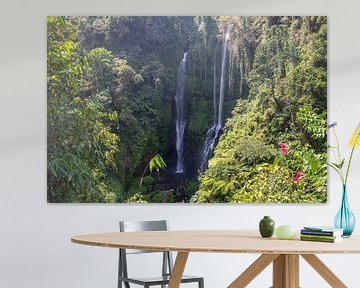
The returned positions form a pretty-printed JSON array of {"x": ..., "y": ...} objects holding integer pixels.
[{"x": 35, "y": 248}]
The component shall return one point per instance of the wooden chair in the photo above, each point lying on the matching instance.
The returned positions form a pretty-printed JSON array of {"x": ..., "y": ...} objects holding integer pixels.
[{"x": 167, "y": 263}]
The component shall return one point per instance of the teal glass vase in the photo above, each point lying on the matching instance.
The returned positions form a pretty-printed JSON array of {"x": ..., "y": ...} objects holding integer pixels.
[{"x": 345, "y": 219}]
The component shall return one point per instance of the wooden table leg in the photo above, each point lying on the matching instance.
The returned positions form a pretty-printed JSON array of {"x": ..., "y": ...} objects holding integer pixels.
[
  {"x": 324, "y": 271},
  {"x": 286, "y": 271},
  {"x": 253, "y": 270},
  {"x": 178, "y": 270}
]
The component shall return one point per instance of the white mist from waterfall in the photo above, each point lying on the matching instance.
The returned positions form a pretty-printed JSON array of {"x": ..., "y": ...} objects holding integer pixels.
[
  {"x": 214, "y": 131},
  {"x": 180, "y": 121}
]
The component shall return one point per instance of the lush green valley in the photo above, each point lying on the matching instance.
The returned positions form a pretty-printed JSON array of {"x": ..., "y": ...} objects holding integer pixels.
[{"x": 135, "y": 102}]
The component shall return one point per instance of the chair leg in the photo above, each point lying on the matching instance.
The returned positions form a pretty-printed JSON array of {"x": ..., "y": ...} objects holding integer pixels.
[
  {"x": 201, "y": 283},
  {"x": 119, "y": 270}
]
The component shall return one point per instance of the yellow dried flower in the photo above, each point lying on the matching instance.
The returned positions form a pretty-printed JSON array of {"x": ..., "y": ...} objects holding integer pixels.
[{"x": 355, "y": 138}]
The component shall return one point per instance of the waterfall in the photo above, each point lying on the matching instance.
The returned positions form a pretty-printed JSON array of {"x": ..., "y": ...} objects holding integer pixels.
[
  {"x": 213, "y": 132},
  {"x": 214, "y": 85},
  {"x": 222, "y": 79},
  {"x": 208, "y": 147},
  {"x": 180, "y": 122}
]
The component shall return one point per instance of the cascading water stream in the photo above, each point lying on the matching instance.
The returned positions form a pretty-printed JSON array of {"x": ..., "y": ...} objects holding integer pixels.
[
  {"x": 214, "y": 131},
  {"x": 209, "y": 145},
  {"x": 180, "y": 122},
  {"x": 214, "y": 85},
  {"x": 222, "y": 79}
]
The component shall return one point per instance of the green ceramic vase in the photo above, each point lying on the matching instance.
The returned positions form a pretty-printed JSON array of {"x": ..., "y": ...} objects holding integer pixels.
[{"x": 266, "y": 226}]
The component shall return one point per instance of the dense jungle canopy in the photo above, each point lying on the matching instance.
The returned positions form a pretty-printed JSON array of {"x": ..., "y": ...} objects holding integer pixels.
[{"x": 255, "y": 86}]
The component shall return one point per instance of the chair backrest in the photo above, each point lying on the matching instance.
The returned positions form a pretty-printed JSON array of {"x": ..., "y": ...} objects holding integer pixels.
[{"x": 133, "y": 226}]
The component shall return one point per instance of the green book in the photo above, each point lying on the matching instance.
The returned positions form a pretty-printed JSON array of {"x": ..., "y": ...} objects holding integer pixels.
[
  {"x": 319, "y": 236},
  {"x": 325, "y": 240}
]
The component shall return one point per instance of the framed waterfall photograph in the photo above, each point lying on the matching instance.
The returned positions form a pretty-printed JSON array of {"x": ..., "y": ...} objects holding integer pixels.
[{"x": 186, "y": 109}]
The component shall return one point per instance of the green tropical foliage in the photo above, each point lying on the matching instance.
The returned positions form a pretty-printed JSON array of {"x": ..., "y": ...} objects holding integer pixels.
[{"x": 156, "y": 163}]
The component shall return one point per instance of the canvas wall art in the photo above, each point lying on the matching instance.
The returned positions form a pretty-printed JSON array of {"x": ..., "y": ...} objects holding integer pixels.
[{"x": 187, "y": 109}]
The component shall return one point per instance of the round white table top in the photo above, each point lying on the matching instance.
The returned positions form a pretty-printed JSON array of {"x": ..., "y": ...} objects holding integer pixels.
[{"x": 220, "y": 241}]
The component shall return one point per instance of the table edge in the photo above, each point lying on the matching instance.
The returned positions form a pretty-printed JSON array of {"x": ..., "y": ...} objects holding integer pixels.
[{"x": 205, "y": 250}]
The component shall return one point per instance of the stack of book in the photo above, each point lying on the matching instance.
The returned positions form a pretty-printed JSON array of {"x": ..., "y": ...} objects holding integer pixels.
[{"x": 321, "y": 234}]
